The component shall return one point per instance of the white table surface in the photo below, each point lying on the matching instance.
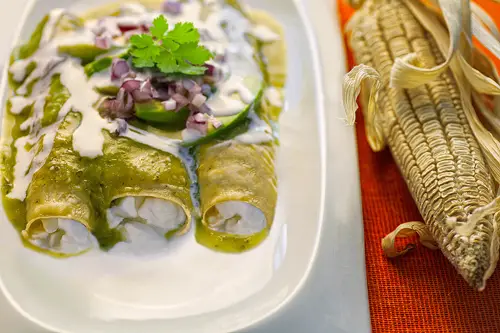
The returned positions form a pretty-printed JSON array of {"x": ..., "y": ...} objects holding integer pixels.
[{"x": 316, "y": 309}]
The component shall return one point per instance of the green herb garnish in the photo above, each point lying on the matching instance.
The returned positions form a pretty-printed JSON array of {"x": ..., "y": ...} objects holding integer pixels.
[{"x": 175, "y": 51}]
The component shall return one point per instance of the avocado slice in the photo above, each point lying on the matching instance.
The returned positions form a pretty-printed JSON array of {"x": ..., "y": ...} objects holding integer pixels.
[
  {"x": 102, "y": 63},
  {"x": 107, "y": 90},
  {"x": 86, "y": 52},
  {"x": 155, "y": 114},
  {"x": 231, "y": 125}
]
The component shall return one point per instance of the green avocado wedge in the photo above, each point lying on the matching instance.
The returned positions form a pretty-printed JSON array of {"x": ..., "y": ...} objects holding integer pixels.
[
  {"x": 102, "y": 63},
  {"x": 155, "y": 114},
  {"x": 86, "y": 52},
  {"x": 230, "y": 125}
]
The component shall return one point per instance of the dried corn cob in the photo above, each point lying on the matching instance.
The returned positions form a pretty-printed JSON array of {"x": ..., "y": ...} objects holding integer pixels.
[{"x": 429, "y": 136}]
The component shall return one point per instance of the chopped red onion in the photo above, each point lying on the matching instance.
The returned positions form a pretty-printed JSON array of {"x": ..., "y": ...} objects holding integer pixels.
[
  {"x": 171, "y": 89},
  {"x": 195, "y": 90},
  {"x": 181, "y": 100},
  {"x": 170, "y": 105},
  {"x": 161, "y": 94},
  {"x": 198, "y": 100},
  {"x": 124, "y": 28},
  {"x": 131, "y": 75},
  {"x": 131, "y": 85},
  {"x": 206, "y": 90},
  {"x": 193, "y": 109},
  {"x": 200, "y": 126},
  {"x": 147, "y": 87},
  {"x": 210, "y": 70},
  {"x": 141, "y": 96},
  {"x": 98, "y": 29},
  {"x": 220, "y": 58},
  {"x": 179, "y": 88},
  {"x": 131, "y": 33},
  {"x": 107, "y": 26},
  {"x": 125, "y": 99},
  {"x": 120, "y": 107},
  {"x": 200, "y": 117},
  {"x": 172, "y": 7},
  {"x": 119, "y": 68},
  {"x": 103, "y": 42},
  {"x": 215, "y": 122},
  {"x": 188, "y": 84},
  {"x": 204, "y": 108},
  {"x": 122, "y": 126}
]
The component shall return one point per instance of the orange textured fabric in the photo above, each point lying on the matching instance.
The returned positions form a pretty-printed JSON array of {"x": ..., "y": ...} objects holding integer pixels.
[{"x": 421, "y": 291}]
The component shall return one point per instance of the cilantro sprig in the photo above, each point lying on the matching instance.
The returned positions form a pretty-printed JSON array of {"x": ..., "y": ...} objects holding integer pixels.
[{"x": 174, "y": 51}]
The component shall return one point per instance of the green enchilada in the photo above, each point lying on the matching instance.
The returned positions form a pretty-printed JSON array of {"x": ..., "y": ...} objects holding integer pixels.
[{"x": 160, "y": 113}]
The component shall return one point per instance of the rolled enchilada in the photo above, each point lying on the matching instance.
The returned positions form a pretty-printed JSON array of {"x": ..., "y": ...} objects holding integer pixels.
[
  {"x": 101, "y": 130},
  {"x": 237, "y": 178}
]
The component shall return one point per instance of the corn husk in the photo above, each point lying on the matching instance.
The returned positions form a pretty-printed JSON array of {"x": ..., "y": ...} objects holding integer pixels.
[{"x": 475, "y": 77}]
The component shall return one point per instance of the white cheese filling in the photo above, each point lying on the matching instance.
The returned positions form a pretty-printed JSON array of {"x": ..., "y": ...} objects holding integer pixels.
[
  {"x": 60, "y": 235},
  {"x": 236, "y": 217},
  {"x": 67, "y": 236},
  {"x": 161, "y": 215}
]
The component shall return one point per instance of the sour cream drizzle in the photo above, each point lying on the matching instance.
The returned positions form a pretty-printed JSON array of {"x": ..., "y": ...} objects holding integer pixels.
[{"x": 224, "y": 31}]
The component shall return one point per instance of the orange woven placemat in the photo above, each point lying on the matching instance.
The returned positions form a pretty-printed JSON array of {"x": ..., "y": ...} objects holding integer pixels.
[{"x": 419, "y": 292}]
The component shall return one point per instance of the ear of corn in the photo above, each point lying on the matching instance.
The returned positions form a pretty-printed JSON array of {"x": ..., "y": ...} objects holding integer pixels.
[{"x": 431, "y": 129}]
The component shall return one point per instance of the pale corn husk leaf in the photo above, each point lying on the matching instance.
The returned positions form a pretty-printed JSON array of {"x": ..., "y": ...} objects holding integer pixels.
[
  {"x": 404, "y": 230},
  {"x": 406, "y": 73},
  {"x": 351, "y": 89},
  {"x": 489, "y": 144},
  {"x": 486, "y": 19},
  {"x": 491, "y": 118},
  {"x": 473, "y": 23},
  {"x": 478, "y": 80}
]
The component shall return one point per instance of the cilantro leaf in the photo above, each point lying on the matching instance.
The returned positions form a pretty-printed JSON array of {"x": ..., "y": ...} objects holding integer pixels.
[
  {"x": 191, "y": 70},
  {"x": 145, "y": 57},
  {"x": 166, "y": 62},
  {"x": 170, "y": 44},
  {"x": 195, "y": 54},
  {"x": 174, "y": 51},
  {"x": 183, "y": 33},
  {"x": 160, "y": 27},
  {"x": 143, "y": 62},
  {"x": 148, "y": 53},
  {"x": 141, "y": 41}
]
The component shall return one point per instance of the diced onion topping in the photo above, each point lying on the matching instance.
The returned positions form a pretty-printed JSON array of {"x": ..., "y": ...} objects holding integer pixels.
[
  {"x": 198, "y": 100},
  {"x": 119, "y": 69},
  {"x": 172, "y": 7},
  {"x": 174, "y": 95},
  {"x": 170, "y": 105},
  {"x": 103, "y": 42}
]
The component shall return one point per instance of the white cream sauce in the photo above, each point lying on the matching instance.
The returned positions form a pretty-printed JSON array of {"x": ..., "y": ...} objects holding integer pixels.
[
  {"x": 18, "y": 104},
  {"x": 224, "y": 31},
  {"x": 258, "y": 132},
  {"x": 263, "y": 33}
]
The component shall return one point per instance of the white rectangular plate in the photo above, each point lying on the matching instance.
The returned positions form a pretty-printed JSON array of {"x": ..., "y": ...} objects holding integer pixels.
[{"x": 311, "y": 269}]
